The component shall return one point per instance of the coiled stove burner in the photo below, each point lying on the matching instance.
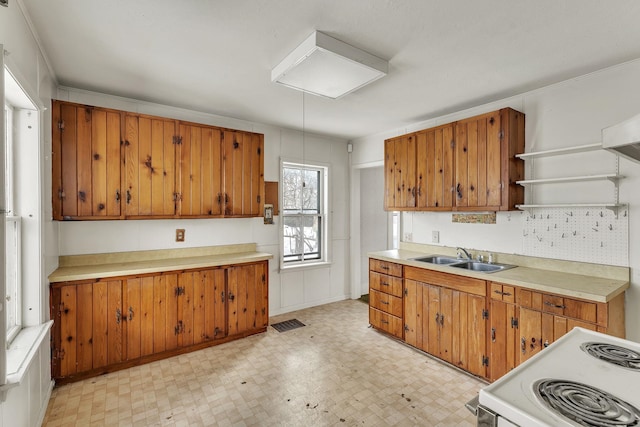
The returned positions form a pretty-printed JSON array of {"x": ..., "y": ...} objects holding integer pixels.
[
  {"x": 586, "y": 405},
  {"x": 612, "y": 353}
]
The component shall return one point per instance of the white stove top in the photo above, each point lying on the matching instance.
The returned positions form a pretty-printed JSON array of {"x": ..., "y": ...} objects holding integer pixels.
[{"x": 512, "y": 396}]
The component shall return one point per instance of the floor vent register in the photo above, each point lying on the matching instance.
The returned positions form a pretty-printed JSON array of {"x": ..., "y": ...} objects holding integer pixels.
[{"x": 287, "y": 325}]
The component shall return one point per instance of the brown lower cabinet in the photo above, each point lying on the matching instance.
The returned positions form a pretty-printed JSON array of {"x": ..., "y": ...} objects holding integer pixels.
[
  {"x": 109, "y": 324},
  {"x": 483, "y": 327},
  {"x": 385, "y": 297},
  {"x": 444, "y": 316}
]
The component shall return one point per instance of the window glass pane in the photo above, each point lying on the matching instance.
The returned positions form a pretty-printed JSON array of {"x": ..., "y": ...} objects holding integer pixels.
[
  {"x": 292, "y": 238},
  {"x": 311, "y": 241},
  {"x": 291, "y": 188},
  {"x": 311, "y": 199}
]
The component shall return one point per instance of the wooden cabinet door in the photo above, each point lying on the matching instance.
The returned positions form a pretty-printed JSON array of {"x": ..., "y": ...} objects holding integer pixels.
[
  {"x": 413, "y": 313},
  {"x": 243, "y": 173},
  {"x": 150, "y": 159},
  {"x": 400, "y": 173},
  {"x": 139, "y": 303},
  {"x": 88, "y": 334},
  {"x": 478, "y": 162},
  {"x": 531, "y": 333},
  {"x": 209, "y": 306},
  {"x": 469, "y": 333},
  {"x": 502, "y": 339},
  {"x": 200, "y": 166},
  {"x": 247, "y": 309},
  {"x": 435, "y": 168},
  {"x": 86, "y": 171}
]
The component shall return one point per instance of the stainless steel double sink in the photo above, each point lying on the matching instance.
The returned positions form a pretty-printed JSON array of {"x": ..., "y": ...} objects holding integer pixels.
[{"x": 467, "y": 264}]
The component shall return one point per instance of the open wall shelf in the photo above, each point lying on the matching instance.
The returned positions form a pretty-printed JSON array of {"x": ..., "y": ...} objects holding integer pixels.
[{"x": 612, "y": 177}]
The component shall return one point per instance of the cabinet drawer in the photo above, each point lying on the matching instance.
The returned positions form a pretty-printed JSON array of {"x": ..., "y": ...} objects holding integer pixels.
[
  {"x": 384, "y": 283},
  {"x": 452, "y": 281},
  {"x": 385, "y": 322},
  {"x": 385, "y": 267},
  {"x": 385, "y": 302},
  {"x": 502, "y": 292},
  {"x": 549, "y": 303}
]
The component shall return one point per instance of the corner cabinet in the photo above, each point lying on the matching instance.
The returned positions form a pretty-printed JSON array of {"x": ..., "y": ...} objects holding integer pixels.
[
  {"x": 109, "y": 324},
  {"x": 466, "y": 165},
  {"x": 110, "y": 164}
]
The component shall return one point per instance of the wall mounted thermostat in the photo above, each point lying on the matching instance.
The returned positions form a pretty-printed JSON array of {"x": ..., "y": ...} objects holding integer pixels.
[{"x": 268, "y": 214}]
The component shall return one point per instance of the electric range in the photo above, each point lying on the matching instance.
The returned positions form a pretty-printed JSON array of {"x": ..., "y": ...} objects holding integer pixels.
[{"x": 585, "y": 378}]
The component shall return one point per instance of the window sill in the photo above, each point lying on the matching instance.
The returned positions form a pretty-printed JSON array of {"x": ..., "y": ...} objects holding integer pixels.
[
  {"x": 306, "y": 266},
  {"x": 21, "y": 352}
]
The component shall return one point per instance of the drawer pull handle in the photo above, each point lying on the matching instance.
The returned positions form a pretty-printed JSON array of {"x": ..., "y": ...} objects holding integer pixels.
[
  {"x": 493, "y": 334},
  {"x": 384, "y": 302},
  {"x": 384, "y": 267},
  {"x": 386, "y": 322},
  {"x": 507, "y": 294},
  {"x": 384, "y": 283},
  {"x": 550, "y": 304}
]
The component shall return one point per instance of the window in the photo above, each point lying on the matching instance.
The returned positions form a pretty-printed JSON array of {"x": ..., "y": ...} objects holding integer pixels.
[{"x": 304, "y": 220}]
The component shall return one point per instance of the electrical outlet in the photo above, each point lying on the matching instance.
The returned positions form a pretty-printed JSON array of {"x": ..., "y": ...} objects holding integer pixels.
[
  {"x": 435, "y": 236},
  {"x": 179, "y": 234},
  {"x": 408, "y": 237}
]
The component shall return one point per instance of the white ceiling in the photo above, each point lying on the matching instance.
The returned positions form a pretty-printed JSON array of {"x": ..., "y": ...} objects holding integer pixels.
[{"x": 444, "y": 56}]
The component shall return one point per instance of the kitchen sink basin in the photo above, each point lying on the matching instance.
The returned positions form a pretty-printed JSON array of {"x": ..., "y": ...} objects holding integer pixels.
[
  {"x": 484, "y": 267},
  {"x": 437, "y": 259}
]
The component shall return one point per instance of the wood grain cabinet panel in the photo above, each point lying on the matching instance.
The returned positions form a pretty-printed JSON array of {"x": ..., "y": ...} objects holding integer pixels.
[
  {"x": 400, "y": 172},
  {"x": 86, "y": 162},
  {"x": 110, "y": 164},
  {"x": 386, "y": 302},
  {"x": 150, "y": 159},
  {"x": 200, "y": 178},
  {"x": 107, "y": 325},
  {"x": 88, "y": 324},
  {"x": 435, "y": 168},
  {"x": 243, "y": 173},
  {"x": 247, "y": 298},
  {"x": 468, "y": 165}
]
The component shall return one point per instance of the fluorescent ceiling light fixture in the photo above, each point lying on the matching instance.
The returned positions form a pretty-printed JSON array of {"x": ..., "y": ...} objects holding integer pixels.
[{"x": 328, "y": 67}]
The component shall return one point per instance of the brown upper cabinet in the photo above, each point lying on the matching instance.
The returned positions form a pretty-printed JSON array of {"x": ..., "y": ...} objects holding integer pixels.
[
  {"x": 400, "y": 173},
  {"x": 110, "y": 164},
  {"x": 243, "y": 173},
  {"x": 200, "y": 157},
  {"x": 435, "y": 157},
  {"x": 461, "y": 166},
  {"x": 86, "y": 165},
  {"x": 150, "y": 174}
]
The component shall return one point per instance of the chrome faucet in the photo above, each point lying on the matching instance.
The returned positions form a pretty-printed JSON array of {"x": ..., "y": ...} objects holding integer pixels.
[{"x": 465, "y": 252}]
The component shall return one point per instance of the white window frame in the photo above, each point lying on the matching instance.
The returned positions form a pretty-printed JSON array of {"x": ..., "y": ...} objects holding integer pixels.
[
  {"x": 13, "y": 287},
  {"x": 13, "y": 233},
  {"x": 323, "y": 215}
]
